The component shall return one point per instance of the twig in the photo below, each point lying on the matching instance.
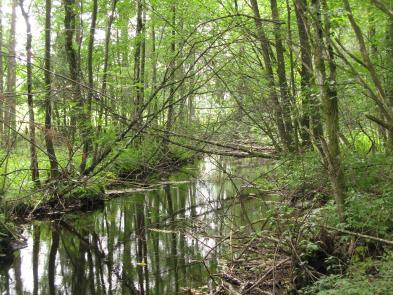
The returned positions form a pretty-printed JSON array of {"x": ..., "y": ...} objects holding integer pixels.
[
  {"x": 388, "y": 242},
  {"x": 261, "y": 279}
]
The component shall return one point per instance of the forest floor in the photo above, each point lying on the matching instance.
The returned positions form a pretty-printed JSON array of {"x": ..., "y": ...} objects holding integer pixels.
[{"x": 302, "y": 248}]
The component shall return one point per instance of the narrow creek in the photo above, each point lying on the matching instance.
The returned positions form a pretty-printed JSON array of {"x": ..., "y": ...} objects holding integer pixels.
[{"x": 165, "y": 240}]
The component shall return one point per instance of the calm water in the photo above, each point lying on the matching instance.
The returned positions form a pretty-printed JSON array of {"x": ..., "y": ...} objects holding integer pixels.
[{"x": 161, "y": 241}]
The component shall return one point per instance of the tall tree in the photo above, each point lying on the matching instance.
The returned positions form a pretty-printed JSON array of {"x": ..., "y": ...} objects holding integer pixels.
[
  {"x": 282, "y": 77},
  {"x": 104, "y": 85},
  {"x": 328, "y": 92},
  {"x": 153, "y": 108},
  {"x": 49, "y": 132},
  {"x": 170, "y": 101},
  {"x": 10, "y": 109},
  {"x": 379, "y": 94},
  {"x": 264, "y": 43},
  {"x": 139, "y": 63},
  {"x": 310, "y": 121},
  {"x": 87, "y": 141},
  {"x": 389, "y": 74},
  {"x": 30, "y": 103},
  {"x": 78, "y": 113}
]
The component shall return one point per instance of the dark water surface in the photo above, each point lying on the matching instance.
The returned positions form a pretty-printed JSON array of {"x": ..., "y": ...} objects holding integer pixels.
[{"x": 161, "y": 241}]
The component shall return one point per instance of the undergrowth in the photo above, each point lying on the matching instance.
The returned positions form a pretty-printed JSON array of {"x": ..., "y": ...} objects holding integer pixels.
[
  {"x": 362, "y": 278},
  {"x": 349, "y": 265}
]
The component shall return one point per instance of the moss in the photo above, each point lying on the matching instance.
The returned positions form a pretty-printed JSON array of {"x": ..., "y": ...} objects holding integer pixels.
[{"x": 149, "y": 159}]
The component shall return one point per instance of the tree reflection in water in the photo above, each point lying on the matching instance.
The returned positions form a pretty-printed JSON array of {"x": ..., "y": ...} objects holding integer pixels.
[{"x": 142, "y": 243}]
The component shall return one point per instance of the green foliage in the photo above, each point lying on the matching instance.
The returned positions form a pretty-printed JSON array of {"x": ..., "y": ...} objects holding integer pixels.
[
  {"x": 372, "y": 173},
  {"x": 303, "y": 175},
  {"x": 89, "y": 191},
  {"x": 132, "y": 159},
  {"x": 370, "y": 212},
  {"x": 180, "y": 153},
  {"x": 362, "y": 144},
  {"x": 370, "y": 192},
  {"x": 306, "y": 168},
  {"x": 363, "y": 278}
]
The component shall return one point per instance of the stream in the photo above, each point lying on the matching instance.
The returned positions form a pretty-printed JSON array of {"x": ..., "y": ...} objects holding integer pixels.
[{"x": 165, "y": 240}]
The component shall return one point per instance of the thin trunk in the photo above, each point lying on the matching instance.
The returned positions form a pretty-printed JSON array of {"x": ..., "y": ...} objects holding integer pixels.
[
  {"x": 78, "y": 10},
  {"x": 290, "y": 45},
  {"x": 50, "y": 149},
  {"x": 106, "y": 60},
  {"x": 33, "y": 151},
  {"x": 383, "y": 101},
  {"x": 389, "y": 78},
  {"x": 286, "y": 104},
  {"x": 87, "y": 140},
  {"x": 143, "y": 54},
  {"x": 373, "y": 48},
  {"x": 10, "y": 109},
  {"x": 293, "y": 80},
  {"x": 171, "y": 99},
  {"x": 138, "y": 79},
  {"x": 103, "y": 99},
  {"x": 77, "y": 111},
  {"x": 191, "y": 104},
  {"x": 264, "y": 42},
  {"x": 329, "y": 98},
  {"x": 310, "y": 121},
  {"x": 154, "y": 66}
]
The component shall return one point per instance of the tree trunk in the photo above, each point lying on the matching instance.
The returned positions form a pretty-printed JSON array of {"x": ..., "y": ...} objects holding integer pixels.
[
  {"x": 10, "y": 109},
  {"x": 106, "y": 60},
  {"x": 154, "y": 67},
  {"x": 33, "y": 152},
  {"x": 103, "y": 99},
  {"x": 87, "y": 140},
  {"x": 328, "y": 93},
  {"x": 389, "y": 78},
  {"x": 50, "y": 149},
  {"x": 383, "y": 101},
  {"x": 170, "y": 101},
  {"x": 293, "y": 86},
  {"x": 282, "y": 78},
  {"x": 77, "y": 111},
  {"x": 264, "y": 42},
  {"x": 139, "y": 65},
  {"x": 310, "y": 120}
]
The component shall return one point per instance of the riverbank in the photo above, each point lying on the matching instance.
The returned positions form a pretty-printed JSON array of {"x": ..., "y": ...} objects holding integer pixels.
[
  {"x": 302, "y": 248},
  {"x": 56, "y": 198},
  {"x": 245, "y": 227},
  {"x": 110, "y": 244}
]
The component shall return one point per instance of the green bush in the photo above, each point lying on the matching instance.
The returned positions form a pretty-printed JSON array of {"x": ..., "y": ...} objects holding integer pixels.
[
  {"x": 369, "y": 212},
  {"x": 363, "y": 278}
]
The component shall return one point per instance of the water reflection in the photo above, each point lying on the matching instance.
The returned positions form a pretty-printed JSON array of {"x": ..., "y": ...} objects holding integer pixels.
[{"x": 157, "y": 242}]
